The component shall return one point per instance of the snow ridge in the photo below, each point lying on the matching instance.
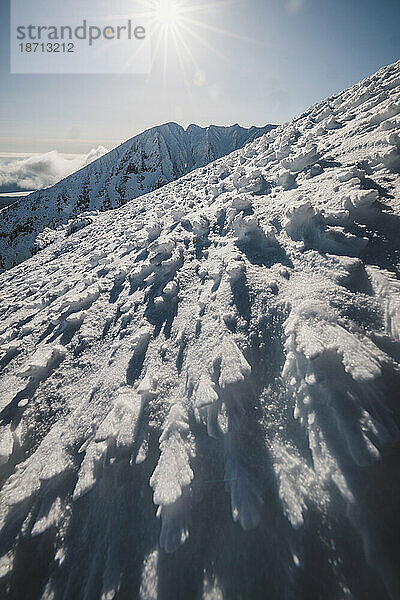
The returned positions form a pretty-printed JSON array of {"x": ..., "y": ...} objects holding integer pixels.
[
  {"x": 142, "y": 164},
  {"x": 200, "y": 388}
]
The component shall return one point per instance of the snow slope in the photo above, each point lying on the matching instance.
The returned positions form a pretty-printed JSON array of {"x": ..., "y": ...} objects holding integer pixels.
[
  {"x": 140, "y": 165},
  {"x": 199, "y": 395}
]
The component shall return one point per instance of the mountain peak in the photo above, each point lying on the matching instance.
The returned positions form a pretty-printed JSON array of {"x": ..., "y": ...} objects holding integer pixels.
[{"x": 142, "y": 164}]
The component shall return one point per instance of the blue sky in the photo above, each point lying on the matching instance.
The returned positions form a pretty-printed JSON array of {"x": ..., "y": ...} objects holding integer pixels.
[{"x": 275, "y": 59}]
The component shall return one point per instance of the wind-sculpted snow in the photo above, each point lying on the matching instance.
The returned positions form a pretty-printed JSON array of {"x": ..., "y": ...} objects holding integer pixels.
[
  {"x": 200, "y": 389},
  {"x": 140, "y": 165}
]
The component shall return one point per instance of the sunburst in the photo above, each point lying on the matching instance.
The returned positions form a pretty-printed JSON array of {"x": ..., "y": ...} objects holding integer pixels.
[
  {"x": 177, "y": 25},
  {"x": 178, "y": 28},
  {"x": 168, "y": 14}
]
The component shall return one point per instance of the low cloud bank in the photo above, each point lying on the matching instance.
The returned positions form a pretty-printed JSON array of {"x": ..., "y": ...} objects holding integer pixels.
[{"x": 42, "y": 170}]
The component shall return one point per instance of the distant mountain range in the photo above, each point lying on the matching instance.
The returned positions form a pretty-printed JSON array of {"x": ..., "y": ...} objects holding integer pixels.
[{"x": 143, "y": 164}]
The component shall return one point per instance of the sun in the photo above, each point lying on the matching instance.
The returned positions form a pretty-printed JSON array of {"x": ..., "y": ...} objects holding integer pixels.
[
  {"x": 168, "y": 14},
  {"x": 182, "y": 31}
]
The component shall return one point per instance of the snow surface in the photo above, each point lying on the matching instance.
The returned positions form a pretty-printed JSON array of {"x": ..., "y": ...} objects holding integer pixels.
[
  {"x": 200, "y": 389},
  {"x": 140, "y": 165}
]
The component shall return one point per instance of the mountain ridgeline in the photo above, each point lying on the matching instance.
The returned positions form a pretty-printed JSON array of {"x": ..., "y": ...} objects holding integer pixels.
[{"x": 142, "y": 164}]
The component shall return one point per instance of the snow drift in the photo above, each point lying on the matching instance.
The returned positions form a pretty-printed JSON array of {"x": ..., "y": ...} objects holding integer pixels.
[{"x": 200, "y": 389}]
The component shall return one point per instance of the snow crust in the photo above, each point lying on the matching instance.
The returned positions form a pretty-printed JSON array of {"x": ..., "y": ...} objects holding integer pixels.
[{"x": 199, "y": 390}]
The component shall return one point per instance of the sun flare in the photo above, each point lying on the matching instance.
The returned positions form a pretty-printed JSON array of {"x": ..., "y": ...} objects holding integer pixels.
[
  {"x": 181, "y": 30},
  {"x": 168, "y": 13}
]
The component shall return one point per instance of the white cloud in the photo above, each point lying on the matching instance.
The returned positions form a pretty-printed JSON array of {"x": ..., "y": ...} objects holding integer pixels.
[{"x": 42, "y": 170}]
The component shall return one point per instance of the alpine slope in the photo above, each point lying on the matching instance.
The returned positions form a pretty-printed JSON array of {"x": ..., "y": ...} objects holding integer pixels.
[
  {"x": 140, "y": 165},
  {"x": 200, "y": 389}
]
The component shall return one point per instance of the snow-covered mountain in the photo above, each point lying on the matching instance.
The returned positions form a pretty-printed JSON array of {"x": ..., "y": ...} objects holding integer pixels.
[
  {"x": 140, "y": 165},
  {"x": 200, "y": 389}
]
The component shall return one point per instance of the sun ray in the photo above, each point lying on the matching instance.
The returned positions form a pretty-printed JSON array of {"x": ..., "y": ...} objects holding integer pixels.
[
  {"x": 214, "y": 29},
  {"x": 178, "y": 30},
  {"x": 207, "y": 44},
  {"x": 178, "y": 48}
]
